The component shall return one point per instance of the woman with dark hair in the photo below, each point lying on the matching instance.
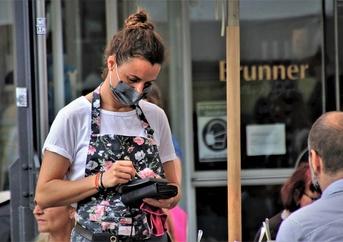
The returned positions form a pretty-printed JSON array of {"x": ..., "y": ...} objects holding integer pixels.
[
  {"x": 110, "y": 137},
  {"x": 298, "y": 191},
  {"x": 177, "y": 217}
]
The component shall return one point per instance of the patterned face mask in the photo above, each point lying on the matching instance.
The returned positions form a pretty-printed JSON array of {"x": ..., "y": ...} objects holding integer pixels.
[{"x": 125, "y": 94}]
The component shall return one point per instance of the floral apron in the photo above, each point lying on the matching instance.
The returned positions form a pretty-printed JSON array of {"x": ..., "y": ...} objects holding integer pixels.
[{"x": 104, "y": 211}]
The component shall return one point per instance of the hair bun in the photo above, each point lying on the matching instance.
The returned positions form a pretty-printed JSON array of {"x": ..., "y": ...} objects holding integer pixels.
[{"x": 138, "y": 20}]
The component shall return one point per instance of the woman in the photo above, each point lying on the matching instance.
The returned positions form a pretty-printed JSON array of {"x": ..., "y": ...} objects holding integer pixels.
[
  {"x": 55, "y": 223},
  {"x": 110, "y": 137},
  {"x": 298, "y": 191},
  {"x": 177, "y": 217}
]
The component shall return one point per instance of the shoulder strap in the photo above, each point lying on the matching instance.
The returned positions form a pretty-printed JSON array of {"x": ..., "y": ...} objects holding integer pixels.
[
  {"x": 148, "y": 130},
  {"x": 95, "y": 121}
]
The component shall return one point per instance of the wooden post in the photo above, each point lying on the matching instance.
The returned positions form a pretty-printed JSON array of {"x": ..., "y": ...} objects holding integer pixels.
[{"x": 233, "y": 122}]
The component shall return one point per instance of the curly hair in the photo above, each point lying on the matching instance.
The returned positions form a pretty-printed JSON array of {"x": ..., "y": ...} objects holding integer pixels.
[{"x": 137, "y": 39}]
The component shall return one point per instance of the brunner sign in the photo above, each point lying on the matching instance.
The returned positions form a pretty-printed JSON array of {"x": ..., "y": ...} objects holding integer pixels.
[{"x": 268, "y": 72}]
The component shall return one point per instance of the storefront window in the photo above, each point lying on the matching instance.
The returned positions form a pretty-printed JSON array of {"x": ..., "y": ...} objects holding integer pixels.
[
  {"x": 281, "y": 81},
  {"x": 258, "y": 203},
  {"x": 81, "y": 47},
  {"x": 8, "y": 114},
  {"x": 158, "y": 14},
  {"x": 209, "y": 96},
  {"x": 282, "y": 86}
]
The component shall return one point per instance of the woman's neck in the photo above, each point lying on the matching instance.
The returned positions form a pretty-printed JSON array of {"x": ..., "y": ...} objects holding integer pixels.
[
  {"x": 59, "y": 237},
  {"x": 62, "y": 235}
]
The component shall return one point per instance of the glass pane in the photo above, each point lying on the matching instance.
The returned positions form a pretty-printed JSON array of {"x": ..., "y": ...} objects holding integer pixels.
[
  {"x": 83, "y": 42},
  {"x": 209, "y": 95},
  {"x": 211, "y": 213},
  {"x": 158, "y": 13},
  {"x": 281, "y": 81},
  {"x": 8, "y": 114},
  {"x": 258, "y": 203}
]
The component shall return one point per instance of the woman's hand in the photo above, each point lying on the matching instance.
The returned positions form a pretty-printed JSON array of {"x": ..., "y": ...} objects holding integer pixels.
[
  {"x": 172, "y": 170},
  {"x": 162, "y": 203},
  {"x": 120, "y": 172},
  {"x": 165, "y": 203}
]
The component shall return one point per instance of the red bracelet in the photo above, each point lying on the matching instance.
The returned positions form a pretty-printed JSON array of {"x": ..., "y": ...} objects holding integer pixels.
[{"x": 96, "y": 181}]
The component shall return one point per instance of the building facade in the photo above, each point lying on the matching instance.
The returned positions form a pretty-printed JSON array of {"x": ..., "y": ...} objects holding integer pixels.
[{"x": 51, "y": 51}]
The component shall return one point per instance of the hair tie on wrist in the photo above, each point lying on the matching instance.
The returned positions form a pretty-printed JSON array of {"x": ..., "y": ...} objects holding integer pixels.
[{"x": 101, "y": 184}]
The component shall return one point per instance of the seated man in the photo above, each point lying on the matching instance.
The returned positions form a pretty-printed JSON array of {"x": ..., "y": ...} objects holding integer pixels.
[{"x": 321, "y": 220}]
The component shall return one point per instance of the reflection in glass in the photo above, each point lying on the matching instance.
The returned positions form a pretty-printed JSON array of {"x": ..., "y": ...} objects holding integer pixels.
[
  {"x": 8, "y": 114},
  {"x": 281, "y": 77},
  {"x": 84, "y": 39},
  {"x": 280, "y": 83},
  {"x": 258, "y": 203}
]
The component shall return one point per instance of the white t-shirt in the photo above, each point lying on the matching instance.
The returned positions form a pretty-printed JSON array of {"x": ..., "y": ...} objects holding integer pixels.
[{"x": 70, "y": 132}]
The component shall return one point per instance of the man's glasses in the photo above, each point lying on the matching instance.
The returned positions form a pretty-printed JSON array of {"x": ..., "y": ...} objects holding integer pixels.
[{"x": 314, "y": 188}]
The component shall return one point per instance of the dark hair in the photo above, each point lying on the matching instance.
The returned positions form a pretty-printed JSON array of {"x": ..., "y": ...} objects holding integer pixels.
[
  {"x": 294, "y": 187},
  {"x": 326, "y": 138},
  {"x": 154, "y": 96},
  {"x": 302, "y": 158},
  {"x": 136, "y": 39}
]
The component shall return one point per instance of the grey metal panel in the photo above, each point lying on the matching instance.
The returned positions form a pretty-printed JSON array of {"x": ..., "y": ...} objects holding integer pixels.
[
  {"x": 15, "y": 189},
  {"x": 181, "y": 101},
  {"x": 22, "y": 172},
  {"x": 337, "y": 69},
  {"x": 22, "y": 221},
  {"x": 248, "y": 177},
  {"x": 41, "y": 73}
]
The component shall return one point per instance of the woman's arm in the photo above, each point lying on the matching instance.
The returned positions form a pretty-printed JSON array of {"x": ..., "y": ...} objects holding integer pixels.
[
  {"x": 173, "y": 173},
  {"x": 53, "y": 190}
]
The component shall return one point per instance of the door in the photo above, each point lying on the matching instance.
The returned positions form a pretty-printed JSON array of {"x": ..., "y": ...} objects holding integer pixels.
[{"x": 22, "y": 169}]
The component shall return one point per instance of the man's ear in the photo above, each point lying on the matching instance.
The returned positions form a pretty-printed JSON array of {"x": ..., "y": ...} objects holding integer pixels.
[
  {"x": 315, "y": 162},
  {"x": 111, "y": 61}
]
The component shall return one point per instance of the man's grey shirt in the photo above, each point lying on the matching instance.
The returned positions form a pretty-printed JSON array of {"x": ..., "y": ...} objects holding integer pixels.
[{"x": 320, "y": 221}]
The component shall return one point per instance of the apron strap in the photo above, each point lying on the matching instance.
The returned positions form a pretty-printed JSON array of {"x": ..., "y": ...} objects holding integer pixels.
[
  {"x": 95, "y": 119},
  {"x": 148, "y": 130}
]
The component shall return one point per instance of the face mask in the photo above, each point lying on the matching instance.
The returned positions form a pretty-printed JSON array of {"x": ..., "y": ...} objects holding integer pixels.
[{"x": 125, "y": 94}]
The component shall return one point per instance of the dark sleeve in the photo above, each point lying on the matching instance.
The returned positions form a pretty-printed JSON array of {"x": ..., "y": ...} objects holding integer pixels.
[{"x": 274, "y": 225}]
